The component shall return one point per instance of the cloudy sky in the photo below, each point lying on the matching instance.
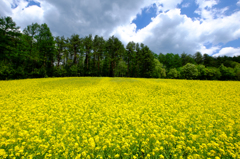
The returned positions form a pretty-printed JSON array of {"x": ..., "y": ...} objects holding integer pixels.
[{"x": 166, "y": 26}]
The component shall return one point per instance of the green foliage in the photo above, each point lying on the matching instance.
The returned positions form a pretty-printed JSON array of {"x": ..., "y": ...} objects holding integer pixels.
[
  {"x": 60, "y": 45},
  {"x": 121, "y": 69},
  {"x": 158, "y": 71},
  {"x": 173, "y": 73},
  {"x": 98, "y": 52},
  {"x": 88, "y": 46},
  {"x": 147, "y": 62},
  {"x": 190, "y": 71},
  {"x": 187, "y": 59},
  {"x": 237, "y": 74},
  {"x": 35, "y": 53},
  {"x": 179, "y": 73},
  {"x": 59, "y": 72},
  {"x": 73, "y": 71},
  {"x": 209, "y": 61},
  {"x": 9, "y": 39},
  {"x": 202, "y": 72},
  {"x": 131, "y": 58},
  {"x": 115, "y": 51},
  {"x": 213, "y": 73},
  {"x": 227, "y": 72},
  {"x": 20, "y": 73},
  {"x": 6, "y": 72},
  {"x": 198, "y": 58}
]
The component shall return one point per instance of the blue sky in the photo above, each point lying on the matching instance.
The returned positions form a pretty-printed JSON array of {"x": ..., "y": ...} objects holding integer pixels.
[
  {"x": 29, "y": 3},
  {"x": 188, "y": 8},
  {"x": 176, "y": 26}
]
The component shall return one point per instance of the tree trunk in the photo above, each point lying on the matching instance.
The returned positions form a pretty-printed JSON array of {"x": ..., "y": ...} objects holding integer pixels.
[
  {"x": 98, "y": 64},
  {"x": 58, "y": 59},
  {"x": 75, "y": 56},
  {"x": 128, "y": 67}
]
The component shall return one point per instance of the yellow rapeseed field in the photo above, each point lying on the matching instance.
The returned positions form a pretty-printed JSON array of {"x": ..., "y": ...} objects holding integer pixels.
[{"x": 119, "y": 118}]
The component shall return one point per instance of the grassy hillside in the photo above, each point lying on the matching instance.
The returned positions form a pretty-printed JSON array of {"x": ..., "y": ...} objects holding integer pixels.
[{"x": 119, "y": 118}]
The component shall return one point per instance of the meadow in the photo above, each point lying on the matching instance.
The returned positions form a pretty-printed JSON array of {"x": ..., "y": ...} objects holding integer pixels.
[{"x": 119, "y": 118}]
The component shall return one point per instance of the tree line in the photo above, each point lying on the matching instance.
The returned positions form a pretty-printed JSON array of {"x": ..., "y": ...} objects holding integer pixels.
[{"x": 35, "y": 53}]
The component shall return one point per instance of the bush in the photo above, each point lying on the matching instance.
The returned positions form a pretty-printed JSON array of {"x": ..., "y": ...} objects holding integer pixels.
[
  {"x": 6, "y": 72},
  {"x": 158, "y": 71},
  {"x": 202, "y": 72},
  {"x": 213, "y": 73},
  {"x": 173, "y": 73},
  {"x": 20, "y": 74},
  {"x": 73, "y": 70},
  {"x": 190, "y": 71},
  {"x": 227, "y": 72}
]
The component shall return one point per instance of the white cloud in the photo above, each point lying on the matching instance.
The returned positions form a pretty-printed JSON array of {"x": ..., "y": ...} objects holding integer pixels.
[
  {"x": 169, "y": 31},
  {"x": 92, "y": 17},
  {"x": 205, "y": 9},
  {"x": 228, "y": 51},
  {"x": 25, "y": 16},
  {"x": 173, "y": 32},
  {"x": 164, "y": 5},
  {"x": 209, "y": 51},
  {"x": 238, "y": 3},
  {"x": 5, "y": 7},
  {"x": 73, "y": 16}
]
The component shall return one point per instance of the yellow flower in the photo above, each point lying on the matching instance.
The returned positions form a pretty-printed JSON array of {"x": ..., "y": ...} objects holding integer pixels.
[
  {"x": 92, "y": 142},
  {"x": 117, "y": 156},
  {"x": 2, "y": 152},
  {"x": 83, "y": 117}
]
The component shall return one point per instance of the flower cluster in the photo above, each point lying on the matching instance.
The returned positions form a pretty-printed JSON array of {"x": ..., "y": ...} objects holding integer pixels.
[{"x": 119, "y": 118}]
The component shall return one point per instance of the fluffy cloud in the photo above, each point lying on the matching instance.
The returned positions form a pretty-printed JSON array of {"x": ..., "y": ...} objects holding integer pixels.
[
  {"x": 73, "y": 16},
  {"x": 173, "y": 32},
  {"x": 91, "y": 17},
  {"x": 26, "y": 16},
  {"x": 5, "y": 8},
  {"x": 83, "y": 17},
  {"x": 169, "y": 31},
  {"x": 228, "y": 51}
]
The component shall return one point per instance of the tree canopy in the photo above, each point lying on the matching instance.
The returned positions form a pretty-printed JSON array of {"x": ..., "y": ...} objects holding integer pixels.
[{"x": 35, "y": 53}]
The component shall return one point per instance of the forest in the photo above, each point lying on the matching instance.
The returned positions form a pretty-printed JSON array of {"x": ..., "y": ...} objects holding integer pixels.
[{"x": 36, "y": 53}]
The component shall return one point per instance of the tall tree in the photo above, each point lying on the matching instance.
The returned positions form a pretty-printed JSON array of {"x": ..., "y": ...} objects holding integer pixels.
[
  {"x": 121, "y": 68},
  {"x": 139, "y": 60},
  {"x": 98, "y": 50},
  {"x": 75, "y": 46},
  {"x": 177, "y": 61},
  {"x": 208, "y": 61},
  {"x": 131, "y": 54},
  {"x": 198, "y": 58},
  {"x": 147, "y": 63},
  {"x": 186, "y": 59},
  {"x": 169, "y": 60},
  {"x": 88, "y": 46},
  {"x": 115, "y": 50},
  {"x": 46, "y": 48},
  {"x": 32, "y": 31},
  {"x": 162, "y": 58},
  {"x": 9, "y": 37},
  {"x": 227, "y": 72},
  {"x": 60, "y": 44}
]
